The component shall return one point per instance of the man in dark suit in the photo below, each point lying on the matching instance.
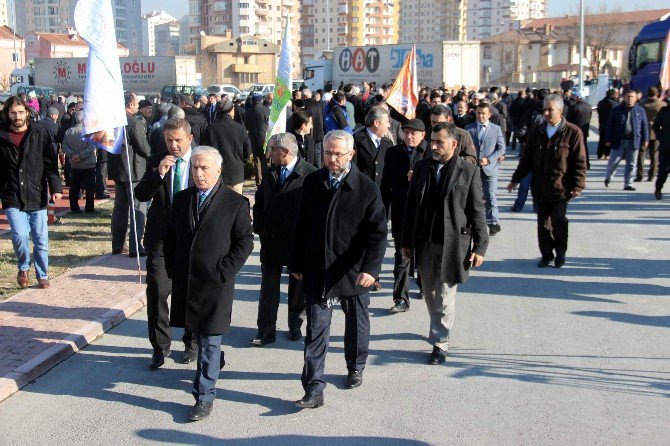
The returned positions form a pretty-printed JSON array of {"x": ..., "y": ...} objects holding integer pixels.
[
  {"x": 338, "y": 253},
  {"x": 463, "y": 118},
  {"x": 208, "y": 240},
  {"x": 579, "y": 114},
  {"x": 315, "y": 108},
  {"x": 446, "y": 244},
  {"x": 137, "y": 152},
  {"x": 371, "y": 144},
  {"x": 194, "y": 117},
  {"x": 275, "y": 211},
  {"x": 167, "y": 173},
  {"x": 490, "y": 143},
  {"x": 211, "y": 112},
  {"x": 256, "y": 122},
  {"x": 465, "y": 147},
  {"x": 301, "y": 128},
  {"x": 398, "y": 162},
  {"x": 232, "y": 141}
]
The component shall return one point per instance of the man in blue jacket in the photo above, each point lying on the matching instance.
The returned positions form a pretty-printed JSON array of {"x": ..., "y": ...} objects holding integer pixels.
[{"x": 627, "y": 132}]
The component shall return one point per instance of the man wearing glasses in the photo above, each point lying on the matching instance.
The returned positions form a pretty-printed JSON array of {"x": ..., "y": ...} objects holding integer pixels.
[{"x": 338, "y": 252}]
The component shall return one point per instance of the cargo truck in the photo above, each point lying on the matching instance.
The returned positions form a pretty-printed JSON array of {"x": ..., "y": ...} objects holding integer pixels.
[
  {"x": 143, "y": 75},
  {"x": 646, "y": 54},
  {"x": 450, "y": 64}
]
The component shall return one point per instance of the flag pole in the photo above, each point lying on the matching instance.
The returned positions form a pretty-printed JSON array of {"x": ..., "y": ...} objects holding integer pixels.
[{"x": 132, "y": 207}]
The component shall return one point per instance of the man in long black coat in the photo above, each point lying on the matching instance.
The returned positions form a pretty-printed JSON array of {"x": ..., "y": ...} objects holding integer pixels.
[
  {"x": 604, "y": 108},
  {"x": 315, "y": 108},
  {"x": 338, "y": 253},
  {"x": 579, "y": 114},
  {"x": 256, "y": 122},
  {"x": 167, "y": 173},
  {"x": 276, "y": 209},
  {"x": 371, "y": 144},
  {"x": 208, "y": 241}
]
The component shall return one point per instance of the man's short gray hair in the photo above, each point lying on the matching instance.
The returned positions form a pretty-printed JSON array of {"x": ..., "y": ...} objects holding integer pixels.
[
  {"x": 556, "y": 99},
  {"x": 176, "y": 113},
  {"x": 208, "y": 151},
  {"x": 339, "y": 134},
  {"x": 79, "y": 117},
  {"x": 285, "y": 141},
  {"x": 306, "y": 93},
  {"x": 52, "y": 111},
  {"x": 376, "y": 113}
]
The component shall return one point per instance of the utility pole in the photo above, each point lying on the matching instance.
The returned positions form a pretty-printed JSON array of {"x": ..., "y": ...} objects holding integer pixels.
[
  {"x": 327, "y": 25},
  {"x": 581, "y": 46}
]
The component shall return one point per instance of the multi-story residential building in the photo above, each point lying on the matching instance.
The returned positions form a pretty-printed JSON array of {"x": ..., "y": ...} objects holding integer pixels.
[
  {"x": 4, "y": 13},
  {"x": 167, "y": 39},
  {"x": 326, "y": 24},
  {"x": 184, "y": 33},
  {"x": 57, "y": 16},
  {"x": 55, "y": 45},
  {"x": 489, "y": 17},
  {"x": 262, "y": 19},
  {"x": 432, "y": 21},
  {"x": 9, "y": 45},
  {"x": 149, "y": 23}
]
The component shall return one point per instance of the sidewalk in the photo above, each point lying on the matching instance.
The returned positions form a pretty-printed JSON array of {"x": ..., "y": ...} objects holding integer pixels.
[{"x": 41, "y": 328}]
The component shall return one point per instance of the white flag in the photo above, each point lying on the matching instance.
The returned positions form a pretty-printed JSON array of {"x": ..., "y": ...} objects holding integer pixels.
[{"x": 104, "y": 106}]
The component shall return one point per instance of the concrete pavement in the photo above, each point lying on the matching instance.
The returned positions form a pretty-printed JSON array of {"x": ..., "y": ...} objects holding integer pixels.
[{"x": 578, "y": 355}]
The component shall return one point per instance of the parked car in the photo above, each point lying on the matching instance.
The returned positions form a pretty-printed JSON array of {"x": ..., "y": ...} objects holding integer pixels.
[
  {"x": 231, "y": 90},
  {"x": 46, "y": 91},
  {"x": 170, "y": 91}
]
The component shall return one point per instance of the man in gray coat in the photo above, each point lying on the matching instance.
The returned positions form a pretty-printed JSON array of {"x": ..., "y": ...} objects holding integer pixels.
[
  {"x": 82, "y": 160},
  {"x": 445, "y": 247}
]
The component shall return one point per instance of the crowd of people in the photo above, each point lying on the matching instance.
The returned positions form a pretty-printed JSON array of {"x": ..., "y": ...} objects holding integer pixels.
[{"x": 326, "y": 189}]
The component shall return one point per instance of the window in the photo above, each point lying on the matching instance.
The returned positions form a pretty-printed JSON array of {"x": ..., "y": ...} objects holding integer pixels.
[
  {"x": 487, "y": 52},
  {"x": 647, "y": 52}
]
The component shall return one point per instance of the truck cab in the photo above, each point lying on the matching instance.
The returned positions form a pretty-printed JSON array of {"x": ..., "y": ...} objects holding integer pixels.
[
  {"x": 21, "y": 77},
  {"x": 318, "y": 74},
  {"x": 646, "y": 54}
]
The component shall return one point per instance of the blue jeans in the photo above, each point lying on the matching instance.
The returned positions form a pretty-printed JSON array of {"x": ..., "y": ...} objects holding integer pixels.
[
  {"x": 209, "y": 366},
  {"x": 23, "y": 226},
  {"x": 522, "y": 194},
  {"x": 627, "y": 152}
]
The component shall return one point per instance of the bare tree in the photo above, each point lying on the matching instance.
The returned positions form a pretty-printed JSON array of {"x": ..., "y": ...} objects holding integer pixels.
[{"x": 506, "y": 54}]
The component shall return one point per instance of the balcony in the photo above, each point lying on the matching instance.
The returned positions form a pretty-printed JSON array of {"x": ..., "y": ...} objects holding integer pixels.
[
  {"x": 262, "y": 12},
  {"x": 247, "y": 68}
]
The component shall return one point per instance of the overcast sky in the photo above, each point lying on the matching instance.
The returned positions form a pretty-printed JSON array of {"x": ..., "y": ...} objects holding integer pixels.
[{"x": 178, "y": 8}]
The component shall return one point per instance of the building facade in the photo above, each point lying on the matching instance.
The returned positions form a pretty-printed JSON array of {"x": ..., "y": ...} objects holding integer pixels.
[
  {"x": 55, "y": 45},
  {"x": 489, "y": 17},
  {"x": 327, "y": 24},
  {"x": 149, "y": 23},
  {"x": 57, "y": 16},
  {"x": 167, "y": 39},
  {"x": 9, "y": 43},
  {"x": 432, "y": 21}
]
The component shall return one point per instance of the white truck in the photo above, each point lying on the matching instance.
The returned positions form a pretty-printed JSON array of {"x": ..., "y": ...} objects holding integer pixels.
[
  {"x": 449, "y": 63},
  {"x": 144, "y": 74}
]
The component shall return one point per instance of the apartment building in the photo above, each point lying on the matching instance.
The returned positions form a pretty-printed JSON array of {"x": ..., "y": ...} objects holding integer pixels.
[
  {"x": 149, "y": 23},
  {"x": 490, "y": 17},
  {"x": 432, "y": 20},
  {"x": 167, "y": 39}
]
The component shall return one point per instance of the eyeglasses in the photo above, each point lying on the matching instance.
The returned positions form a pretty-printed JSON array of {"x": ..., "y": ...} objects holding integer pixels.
[{"x": 335, "y": 154}]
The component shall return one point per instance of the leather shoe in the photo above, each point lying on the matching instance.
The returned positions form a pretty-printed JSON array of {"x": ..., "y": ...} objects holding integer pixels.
[
  {"x": 658, "y": 194},
  {"x": 43, "y": 284},
  {"x": 544, "y": 262},
  {"x": 259, "y": 341},
  {"x": 607, "y": 182},
  {"x": 294, "y": 335},
  {"x": 438, "y": 356},
  {"x": 419, "y": 295},
  {"x": 560, "y": 261},
  {"x": 354, "y": 379},
  {"x": 157, "y": 360},
  {"x": 400, "y": 306},
  {"x": 629, "y": 188},
  {"x": 200, "y": 411},
  {"x": 494, "y": 229},
  {"x": 103, "y": 196},
  {"x": 133, "y": 255},
  {"x": 120, "y": 251},
  {"x": 22, "y": 279},
  {"x": 189, "y": 356},
  {"x": 310, "y": 401}
]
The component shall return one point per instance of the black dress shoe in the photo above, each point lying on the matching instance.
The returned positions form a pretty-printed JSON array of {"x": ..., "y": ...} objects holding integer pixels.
[
  {"x": 607, "y": 182},
  {"x": 120, "y": 251},
  {"x": 629, "y": 188},
  {"x": 354, "y": 379},
  {"x": 132, "y": 254},
  {"x": 638, "y": 180},
  {"x": 438, "y": 356},
  {"x": 560, "y": 261},
  {"x": 310, "y": 401},
  {"x": 419, "y": 295},
  {"x": 103, "y": 196},
  {"x": 200, "y": 411},
  {"x": 259, "y": 341},
  {"x": 544, "y": 262},
  {"x": 294, "y": 335},
  {"x": 189, "y": 356},
  {"x": 494, "y": 229},
  {"x": 157, "y": 360},
  {"x": 400, "y": 306}
]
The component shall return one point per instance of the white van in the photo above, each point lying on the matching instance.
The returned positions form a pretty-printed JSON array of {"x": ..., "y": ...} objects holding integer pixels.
[{"x": 232, "y": 91}]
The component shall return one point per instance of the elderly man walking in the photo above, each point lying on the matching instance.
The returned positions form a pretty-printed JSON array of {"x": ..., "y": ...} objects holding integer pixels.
[
  {"x": 554, "y": 153},
  {"x": 82, "y": 155},
  {"x": 337, "y": 254},
  {"x": 209, "y": 239}
]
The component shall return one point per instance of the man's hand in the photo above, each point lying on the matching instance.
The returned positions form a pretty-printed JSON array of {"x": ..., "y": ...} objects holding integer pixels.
[
  {"x": 511, "y": 187},
  {"x": 476, "y": 260},
  {"x": 56, "y": 196},
  {"x": 575, "y": 193},
  {"x": 297, "y": 275},
  {"x": 406, "y": 252},
  {"x": 484, "y": 161},
  {"x": 365, "y": 280},
  {"x": 409, "y": 175},
  {"x": 645, "y": 145},
  {"x": 165, "y": 165}
]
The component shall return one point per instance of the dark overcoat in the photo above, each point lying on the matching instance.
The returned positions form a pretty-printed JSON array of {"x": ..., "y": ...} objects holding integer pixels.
[
  {"x": 368, "y": 158},
  {"x": 465, "y": 227},
  {"x": 203, "y": 255}
]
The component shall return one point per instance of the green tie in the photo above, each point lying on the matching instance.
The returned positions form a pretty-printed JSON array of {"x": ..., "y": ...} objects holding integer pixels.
[{"x": 176, "y": 183}]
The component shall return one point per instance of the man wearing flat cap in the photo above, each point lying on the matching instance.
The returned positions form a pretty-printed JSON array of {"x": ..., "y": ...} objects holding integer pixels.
[
  {"x": 398, "y": 161},
  {"x": 231, "y": 140}
]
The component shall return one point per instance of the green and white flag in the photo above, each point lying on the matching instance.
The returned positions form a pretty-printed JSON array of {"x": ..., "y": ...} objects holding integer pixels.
[{"x": 283, "y": 85}]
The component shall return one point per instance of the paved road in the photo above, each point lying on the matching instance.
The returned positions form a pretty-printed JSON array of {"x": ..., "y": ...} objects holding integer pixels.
[{"x": 578, "y": 355}]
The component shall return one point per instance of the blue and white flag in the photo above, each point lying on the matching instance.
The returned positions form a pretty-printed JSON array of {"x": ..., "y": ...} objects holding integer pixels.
[{"x": 104, "y": 106}]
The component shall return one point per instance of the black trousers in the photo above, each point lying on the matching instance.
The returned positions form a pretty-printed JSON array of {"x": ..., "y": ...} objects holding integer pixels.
[
  {"x": 356, "y": 338},
  {"x": 663, "y": 167},
  {"x": 159, "y": 286},
  {"x": 268, "y": 302},
  {"x": 401, "y": 268},
  {"x": 552, "y": 228},
  {"x": 79, "y": 178},
  {"x": 603, "y": 150},
  {"x": 100, "y": 179}
]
